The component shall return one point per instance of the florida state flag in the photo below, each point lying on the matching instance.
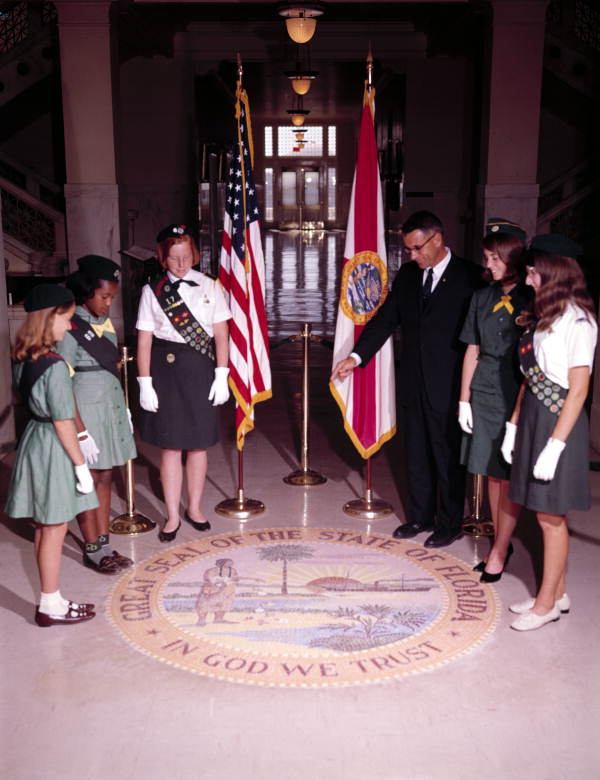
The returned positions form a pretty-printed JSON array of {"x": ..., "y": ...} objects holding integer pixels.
[{"x": 366, "y": 397}]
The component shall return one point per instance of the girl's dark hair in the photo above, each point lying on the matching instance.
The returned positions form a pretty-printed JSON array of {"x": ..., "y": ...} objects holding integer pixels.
[
  {"x": 511, "y": 250},
  {"x": 82, "y": 286},
  {"x": 562, "y": 282}
]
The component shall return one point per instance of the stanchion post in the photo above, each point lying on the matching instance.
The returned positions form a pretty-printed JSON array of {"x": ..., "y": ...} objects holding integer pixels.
[
  {"x": 475, "y": 524},
  {"x": 131, "y": 523},
  {"x": 305, "y": 476}
]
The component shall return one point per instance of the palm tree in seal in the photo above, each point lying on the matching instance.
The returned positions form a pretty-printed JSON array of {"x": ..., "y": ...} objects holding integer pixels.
[{"x": 285, "y": 553}]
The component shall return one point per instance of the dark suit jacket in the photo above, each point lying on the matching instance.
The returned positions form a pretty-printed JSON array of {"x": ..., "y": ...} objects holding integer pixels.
[{"x": 431, "y": 352}]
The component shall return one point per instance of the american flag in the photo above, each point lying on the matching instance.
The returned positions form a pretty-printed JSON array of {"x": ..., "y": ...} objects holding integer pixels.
[{"x": 242, "y": 274}]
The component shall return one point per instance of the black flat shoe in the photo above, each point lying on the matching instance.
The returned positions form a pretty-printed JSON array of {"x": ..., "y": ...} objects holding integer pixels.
[
  {"x": 408, "y": 530},
  {"x": 198, "y": 526},
  {"x": 487, "y": 577},
  {"x": 442, "y": 537},
  {"x": 168, "y": 536}
]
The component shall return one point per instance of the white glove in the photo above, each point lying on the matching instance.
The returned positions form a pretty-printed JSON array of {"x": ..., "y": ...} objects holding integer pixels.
[
  {"x": 85, "y": 483},
  {"x": 219, "y": 390},
  {"x": 87, "y": 445},
  {"x": 148, "y": 397},
  {"x": 465, "y": 416},
  {"x": 129, "y": 419},
  {"x": 547, "y": 460},
  {"x": 508, "y": 443}
]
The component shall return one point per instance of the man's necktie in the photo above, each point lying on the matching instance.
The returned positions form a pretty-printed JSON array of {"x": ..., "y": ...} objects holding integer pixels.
[
  {"x": 179, "y": 282},
  {"x": 426, "y": 293}
]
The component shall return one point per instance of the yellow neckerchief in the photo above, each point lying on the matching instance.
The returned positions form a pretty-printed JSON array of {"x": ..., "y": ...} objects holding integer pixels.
[
  {"x": 504, "y": 301},
  {"x": 106, "y": 326}
]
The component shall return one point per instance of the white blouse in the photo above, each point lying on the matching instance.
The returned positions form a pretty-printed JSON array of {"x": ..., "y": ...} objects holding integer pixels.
[
  {"x": 569, "y": 342},
  {"x": 206, "y": 302}
]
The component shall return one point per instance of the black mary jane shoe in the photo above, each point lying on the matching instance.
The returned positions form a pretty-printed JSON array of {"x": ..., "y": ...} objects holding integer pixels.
[
  {"x": 121, "y": 560},
  {"x": 198, "y": 526},
  {"x": 168, "y": 536},
  {"x": 44, "y": 620},
  {"x": 487, "y": 577}
]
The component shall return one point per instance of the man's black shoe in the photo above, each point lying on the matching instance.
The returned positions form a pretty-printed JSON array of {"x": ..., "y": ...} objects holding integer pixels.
[
  {"x": 442, "y": 537},
  {"x": 408, "y": 530}
]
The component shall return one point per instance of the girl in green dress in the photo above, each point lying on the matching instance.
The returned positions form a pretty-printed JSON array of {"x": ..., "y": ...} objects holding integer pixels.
[
  {"x": 50, "y": 482},
  {"x": 491, "y": 379},
  {"x": 104, "y": 424}
]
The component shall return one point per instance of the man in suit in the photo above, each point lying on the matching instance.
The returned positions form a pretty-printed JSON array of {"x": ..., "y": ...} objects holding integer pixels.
[{"x": 429, "y": 301}]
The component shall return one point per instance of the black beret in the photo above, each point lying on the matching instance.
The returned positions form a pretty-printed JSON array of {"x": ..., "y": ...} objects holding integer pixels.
[
  {"x": 555, "y": 244},
  {"x": 496, "y": 225},
  {"x": 172, "y": 231},
  {"x": 98, "y": 267},
  {"x": 47, "y": 296}
]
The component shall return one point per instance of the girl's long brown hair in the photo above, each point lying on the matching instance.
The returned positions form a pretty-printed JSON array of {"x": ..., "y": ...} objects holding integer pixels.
[
  {"x": 510, "y": 249},
  {"x": 562, "y": 282},
  {"x": 35, "y": 334}
]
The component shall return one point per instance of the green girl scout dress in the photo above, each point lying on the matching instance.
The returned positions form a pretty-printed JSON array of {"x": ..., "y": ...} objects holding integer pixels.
[
  {"x": 99, "y": 396},
  {"x": 42, "y": 484},
  {"x": 490, "y": 324}
]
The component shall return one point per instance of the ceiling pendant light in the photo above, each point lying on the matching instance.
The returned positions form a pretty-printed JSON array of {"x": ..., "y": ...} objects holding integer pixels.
[
  {"x": 298, "y": 114},
  {"x": 301, "y": 19},
  {"x": 301, "y": 79}
]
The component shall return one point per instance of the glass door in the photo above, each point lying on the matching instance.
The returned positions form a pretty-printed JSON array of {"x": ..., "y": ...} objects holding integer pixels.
[{"x": 301, "y": 198}]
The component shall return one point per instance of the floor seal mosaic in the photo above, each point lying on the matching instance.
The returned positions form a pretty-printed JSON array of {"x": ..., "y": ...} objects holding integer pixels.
[{"x": 303, "y": 607}]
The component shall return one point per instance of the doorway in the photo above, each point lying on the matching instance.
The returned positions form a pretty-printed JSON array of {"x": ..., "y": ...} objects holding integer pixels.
[{"x": 301, "y": 197}]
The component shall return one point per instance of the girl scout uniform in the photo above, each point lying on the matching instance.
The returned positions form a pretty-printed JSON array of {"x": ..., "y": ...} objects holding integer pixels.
[
  {"x": 545, "y": 361},
  {"x": 97, "y": 387},
  {"x": 180, "y": 313},
  {"x": 43, "y": 480},
  {"x": 490, "y": 324}
]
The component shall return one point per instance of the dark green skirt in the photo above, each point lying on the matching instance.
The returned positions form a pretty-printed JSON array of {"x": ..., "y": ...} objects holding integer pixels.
[
  {"x": 480, "y": 451},
  {"x": 570, "y": 488}
]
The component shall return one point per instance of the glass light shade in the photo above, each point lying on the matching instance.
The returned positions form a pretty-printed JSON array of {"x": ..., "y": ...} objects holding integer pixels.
[
  {"x": 300, "y": 85},
  {"x": 298, "y": 120},
  {"x": 301, "y": 28}
]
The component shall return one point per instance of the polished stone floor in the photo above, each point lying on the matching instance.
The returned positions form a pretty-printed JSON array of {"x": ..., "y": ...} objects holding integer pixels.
[{"x": 80, "y": 703}]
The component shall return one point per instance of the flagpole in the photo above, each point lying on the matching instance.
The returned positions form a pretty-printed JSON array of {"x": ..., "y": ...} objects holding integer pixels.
[
  {"x": 367, "y": 507},
  {"x": 240, "y": 508}
]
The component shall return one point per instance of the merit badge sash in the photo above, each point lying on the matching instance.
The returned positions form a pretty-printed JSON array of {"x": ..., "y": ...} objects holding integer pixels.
[
  {"x": 547, "y": 392},
  {"x": 32, "y": 371},
  {"x": 102, "y": 350},
  {"x": 181, "y": 317}
]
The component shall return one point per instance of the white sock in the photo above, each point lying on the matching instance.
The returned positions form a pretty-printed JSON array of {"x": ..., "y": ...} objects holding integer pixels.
[{"x": 53, "y": 603}]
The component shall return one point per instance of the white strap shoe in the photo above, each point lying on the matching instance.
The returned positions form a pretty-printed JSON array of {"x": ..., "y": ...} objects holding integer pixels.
[
  {"x": 529, "y": 621},
  {"x": 563, "y": 603}
]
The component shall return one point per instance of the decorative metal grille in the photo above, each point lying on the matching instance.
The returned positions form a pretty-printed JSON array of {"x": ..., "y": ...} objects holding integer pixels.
[
  {"x": 27, "y": 224},
  {"x": 49, "y": 13},
  {"x": 554, "y": 12},
  {"x": 587, "y": 24},
  {"x": 14, "y": 25}
]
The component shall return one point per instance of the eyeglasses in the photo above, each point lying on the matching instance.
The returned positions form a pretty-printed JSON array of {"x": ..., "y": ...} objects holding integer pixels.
[{"x": 409, "y": 249}]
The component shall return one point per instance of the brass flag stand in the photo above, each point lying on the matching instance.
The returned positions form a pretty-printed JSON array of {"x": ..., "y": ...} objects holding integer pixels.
[
  {"x": 367, "y": 508},
  {"x": 241, "y": 508},
  {"x": 305, "y": 476},
  {"x": 476, "y": 524},
  {"x": 131, "y": 523}
]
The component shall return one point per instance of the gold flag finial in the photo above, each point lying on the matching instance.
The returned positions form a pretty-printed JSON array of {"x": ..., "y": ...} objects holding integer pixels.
[
  {"x": 240, "y": 69},
  {"x": 369, "y": 67}
]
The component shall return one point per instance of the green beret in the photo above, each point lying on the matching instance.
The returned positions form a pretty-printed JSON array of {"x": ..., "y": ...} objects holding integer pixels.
[
  {"x": 555, "y": 244},
  {"x": 98, "y": 267},
  {"x": 172, "y": 231},
  {"x": 496, "y": 225},
  {"x": 47, "y": 296}
]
